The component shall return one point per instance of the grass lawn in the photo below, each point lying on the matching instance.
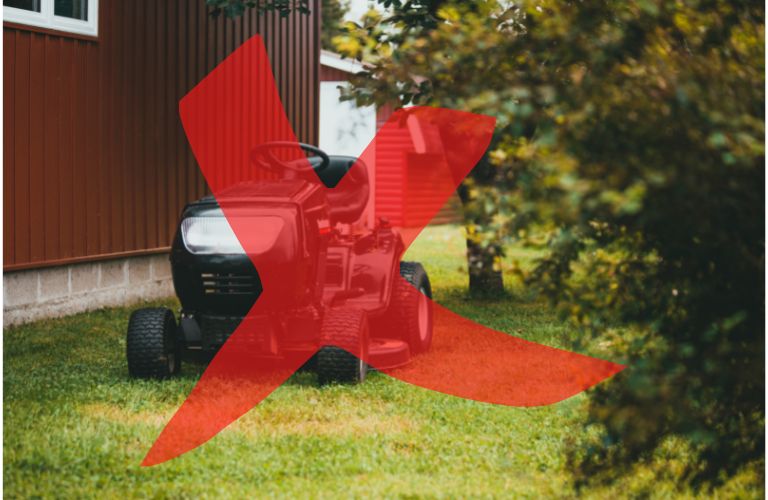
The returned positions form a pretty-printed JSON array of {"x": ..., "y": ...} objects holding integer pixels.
[{"x": 76, "y": 426}]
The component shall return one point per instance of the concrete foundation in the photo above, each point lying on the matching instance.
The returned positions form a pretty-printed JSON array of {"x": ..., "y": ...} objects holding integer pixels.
[{"x": 59, "y": 291}]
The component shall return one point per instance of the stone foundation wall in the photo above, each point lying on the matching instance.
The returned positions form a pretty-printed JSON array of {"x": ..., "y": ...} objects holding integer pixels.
[{"x": 59, "y": 291}]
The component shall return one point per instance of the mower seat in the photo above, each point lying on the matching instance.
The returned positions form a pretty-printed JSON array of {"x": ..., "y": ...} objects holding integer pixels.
[{"x": 346, "y": 206}]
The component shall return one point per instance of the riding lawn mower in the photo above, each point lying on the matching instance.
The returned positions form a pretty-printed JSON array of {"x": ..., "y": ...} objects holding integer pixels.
[{"x": 338, "y": 277}]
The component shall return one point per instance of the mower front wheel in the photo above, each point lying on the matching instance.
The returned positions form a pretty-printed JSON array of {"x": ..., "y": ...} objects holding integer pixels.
[
  {"x": 345, "y": 335},
  {"x": 410, "y": 309},
  {"x": 152, "y": 345}
]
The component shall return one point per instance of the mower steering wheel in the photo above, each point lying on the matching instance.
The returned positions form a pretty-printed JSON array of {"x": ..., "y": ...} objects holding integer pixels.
[{"x": 264, "y": 157}]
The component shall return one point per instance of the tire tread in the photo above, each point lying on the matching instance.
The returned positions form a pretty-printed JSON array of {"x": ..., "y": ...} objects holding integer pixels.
[
  {"x": 343, "y": 331},
  {"x": 403, "y": 313},
  {"x": 145, "y": 343}
]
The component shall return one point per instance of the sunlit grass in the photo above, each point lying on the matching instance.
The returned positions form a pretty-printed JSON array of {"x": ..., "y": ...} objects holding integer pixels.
[{"x": 77, "y": 426}]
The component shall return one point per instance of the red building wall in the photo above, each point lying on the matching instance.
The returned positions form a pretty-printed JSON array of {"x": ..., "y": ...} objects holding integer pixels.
[{"x": 96, "y": 164}]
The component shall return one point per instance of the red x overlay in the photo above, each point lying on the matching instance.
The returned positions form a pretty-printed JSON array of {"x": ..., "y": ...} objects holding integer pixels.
[{"x": 237, "y": 108}]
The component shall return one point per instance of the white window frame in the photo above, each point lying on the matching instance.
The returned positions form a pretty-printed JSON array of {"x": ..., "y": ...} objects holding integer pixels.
[{"x": 47, "y": 19}]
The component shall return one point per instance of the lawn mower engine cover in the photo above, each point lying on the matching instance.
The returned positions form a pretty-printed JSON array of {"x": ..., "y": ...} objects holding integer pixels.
[{"x": 212, "y": 273}]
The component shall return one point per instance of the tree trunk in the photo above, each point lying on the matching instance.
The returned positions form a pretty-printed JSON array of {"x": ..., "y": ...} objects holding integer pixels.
[{"x": 484, "y": 279}]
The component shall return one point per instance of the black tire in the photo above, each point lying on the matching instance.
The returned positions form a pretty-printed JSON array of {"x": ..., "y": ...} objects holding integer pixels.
[
  {"x": 152, "y": 346},
  {"x": 346, "y": 333},
  {"x": 409, "y": 313}
]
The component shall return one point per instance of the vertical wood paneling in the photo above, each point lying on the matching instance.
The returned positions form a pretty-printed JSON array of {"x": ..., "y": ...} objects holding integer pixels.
[
  {"x": 67, "y": 85},
  {"x": 9, "y": 195},
  {"x": 189, "y": 80},
  {"x": 163, "y": 94},
  {"x": 170, "y": 82},
  {"x": 151, "y": 130},
  {"x": 92, "y": 151},
  {"x": 79, "y": 144},
  {"x": 21, "y": 145},
  {"x": 202, "y": 69},
  {"x": 96, "y": 163},
  {"x": 51, "y": 133},
  {"x": 117, "y": 128},
  {"x": 140, "y": 133},
  {"x": 106, "y": 107},
  {"x": 127, "y": 48},
  {"x": 37, "y": 174}
]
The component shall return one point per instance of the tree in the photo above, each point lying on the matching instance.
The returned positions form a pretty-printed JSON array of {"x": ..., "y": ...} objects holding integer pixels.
[
  {"x": 236, "y": 8},
  {"x": 333, "y": 12},
  {"x": 630, "y": 138},
  {"x": 403, "y": 73}
]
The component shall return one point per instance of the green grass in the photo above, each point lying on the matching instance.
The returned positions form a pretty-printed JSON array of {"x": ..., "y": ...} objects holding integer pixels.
[{"x": 77, "y": 426}]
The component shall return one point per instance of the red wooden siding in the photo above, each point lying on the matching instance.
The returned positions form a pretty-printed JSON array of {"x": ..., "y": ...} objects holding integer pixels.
[
  {"x": 393, "y": 174},
  {"x": 328, "y": 74},
  {"x": 96, "y": 164}
]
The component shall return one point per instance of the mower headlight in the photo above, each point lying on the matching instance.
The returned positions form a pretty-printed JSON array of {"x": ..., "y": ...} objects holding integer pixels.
[{"x": 213, "y": 235}]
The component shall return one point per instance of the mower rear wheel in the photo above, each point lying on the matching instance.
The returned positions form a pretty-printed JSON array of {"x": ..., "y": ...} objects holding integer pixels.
[
  {"x": 345, "y": 335},
  {"x": 410, "y": 309},
  {"x": 152, "y": 345}
]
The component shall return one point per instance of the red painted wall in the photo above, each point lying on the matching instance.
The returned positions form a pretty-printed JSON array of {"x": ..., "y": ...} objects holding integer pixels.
[{"x": 96, "y": 164}]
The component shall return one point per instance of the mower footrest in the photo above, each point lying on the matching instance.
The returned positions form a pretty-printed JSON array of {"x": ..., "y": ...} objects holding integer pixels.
[{"x": 386, "y": 353}]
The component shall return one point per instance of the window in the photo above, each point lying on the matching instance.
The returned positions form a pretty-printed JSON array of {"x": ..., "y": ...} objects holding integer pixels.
[{"x": 75, "y": 16}]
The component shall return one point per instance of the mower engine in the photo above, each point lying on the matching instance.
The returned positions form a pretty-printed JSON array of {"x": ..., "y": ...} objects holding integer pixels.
[{"x": 216, "y": 281}]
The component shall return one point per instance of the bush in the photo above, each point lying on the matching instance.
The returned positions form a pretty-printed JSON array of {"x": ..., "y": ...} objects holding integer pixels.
[{"x": 631, "y": 137}]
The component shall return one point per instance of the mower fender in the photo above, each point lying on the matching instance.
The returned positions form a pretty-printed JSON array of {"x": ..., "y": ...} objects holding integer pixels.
[{"x": 190, "y": 330}]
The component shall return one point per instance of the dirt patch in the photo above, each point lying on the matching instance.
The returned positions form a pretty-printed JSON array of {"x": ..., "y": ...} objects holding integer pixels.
[
  {"x": 311, "y": 423},
  {"x": 113, "y": 413}
]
